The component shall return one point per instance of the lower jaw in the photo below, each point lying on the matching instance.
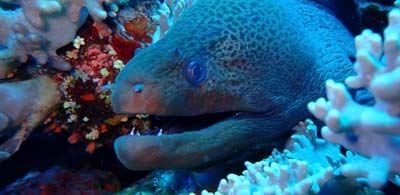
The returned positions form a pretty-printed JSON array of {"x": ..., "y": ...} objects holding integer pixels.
[
  {"x": 169, "y": 125},
  {"x": 183, "y": 142}
]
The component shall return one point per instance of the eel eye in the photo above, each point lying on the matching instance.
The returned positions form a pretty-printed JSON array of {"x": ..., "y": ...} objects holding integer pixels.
[
  {"x": 195, "y": 72},
  {"x": 138, "y": 87}
]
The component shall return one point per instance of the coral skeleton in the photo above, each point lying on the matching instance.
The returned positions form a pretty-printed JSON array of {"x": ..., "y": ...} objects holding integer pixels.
[{"x": 372, "y": 131}]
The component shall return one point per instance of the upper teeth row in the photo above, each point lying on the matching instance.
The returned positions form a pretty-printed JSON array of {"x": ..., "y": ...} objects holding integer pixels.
[{"x": 134, "y": 132}]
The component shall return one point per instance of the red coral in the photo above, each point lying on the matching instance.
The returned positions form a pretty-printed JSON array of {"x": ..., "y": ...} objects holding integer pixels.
[
  {"x": 74, "y": 138},
  {"x": 138, "y": 28},
  {"x": 88, "y": 97},
  {"x": 125, "y": 48},
  {"x": 95, "y": 59},
  {"x": 91, "y": 147}
]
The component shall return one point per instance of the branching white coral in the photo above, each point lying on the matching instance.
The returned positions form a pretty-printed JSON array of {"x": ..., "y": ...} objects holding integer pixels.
[
  {"x": 372, "y": 131},
  {"x": 306, "y": 146},
  {"x": 295, "y": 171},
  {"x": 303, "y": 168},
  {"x": 166, "y": 16},
  {"x": 265, "y": 177}
]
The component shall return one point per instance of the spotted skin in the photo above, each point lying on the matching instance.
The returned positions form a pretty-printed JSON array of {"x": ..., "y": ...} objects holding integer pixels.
[{"x": 263, "y": 58}]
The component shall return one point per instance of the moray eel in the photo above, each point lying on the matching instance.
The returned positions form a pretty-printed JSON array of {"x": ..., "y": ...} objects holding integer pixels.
[{"x": 259, "y": 60}]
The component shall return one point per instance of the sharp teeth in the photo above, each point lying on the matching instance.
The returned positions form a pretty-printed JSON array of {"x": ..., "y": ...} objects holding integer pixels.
[
  {"x": 160, "y": 132},
  {"x": 132, "y": 131}
]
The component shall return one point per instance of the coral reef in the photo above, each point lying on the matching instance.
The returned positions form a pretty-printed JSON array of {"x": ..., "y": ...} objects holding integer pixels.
[
  {"x": 372, "y": 131},
  {"x": 266, "y": 177},
  {"x": 166, "y": 182},
  {"x": 23, "y": 106},
  {"x": 97, "y": 57},
  {"x": 96, "y": 54},
  {"x": 37, "y": 28},
  {"x": 306, "y": 164},
  {"x": 59, "y": 180},
  {"x": 99, "y": 51}
]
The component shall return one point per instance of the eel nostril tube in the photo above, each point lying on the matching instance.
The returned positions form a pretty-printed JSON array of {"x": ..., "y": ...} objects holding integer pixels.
[
  {"x": 107, "y": 87},
  {"x": 138, "y": 87}
]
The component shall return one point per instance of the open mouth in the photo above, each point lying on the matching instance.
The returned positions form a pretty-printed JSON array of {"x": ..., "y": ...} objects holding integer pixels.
[
  {"x": 167, "y": 125},
  {"x": 177, "y": 142}
]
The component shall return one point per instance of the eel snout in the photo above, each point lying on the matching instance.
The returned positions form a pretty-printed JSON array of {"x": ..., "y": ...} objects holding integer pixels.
[{"x": 139, "y": 96}]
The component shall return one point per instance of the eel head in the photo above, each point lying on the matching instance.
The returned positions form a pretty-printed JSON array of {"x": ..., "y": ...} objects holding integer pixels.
[{"x": 184, "y": 86}]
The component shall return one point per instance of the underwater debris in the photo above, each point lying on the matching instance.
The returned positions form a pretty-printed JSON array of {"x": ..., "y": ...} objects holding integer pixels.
[{"x": 372, "y": 131}]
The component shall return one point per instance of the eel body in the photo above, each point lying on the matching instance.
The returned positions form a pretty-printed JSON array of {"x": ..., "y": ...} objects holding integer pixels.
[{"x": 262, "y": 60}]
